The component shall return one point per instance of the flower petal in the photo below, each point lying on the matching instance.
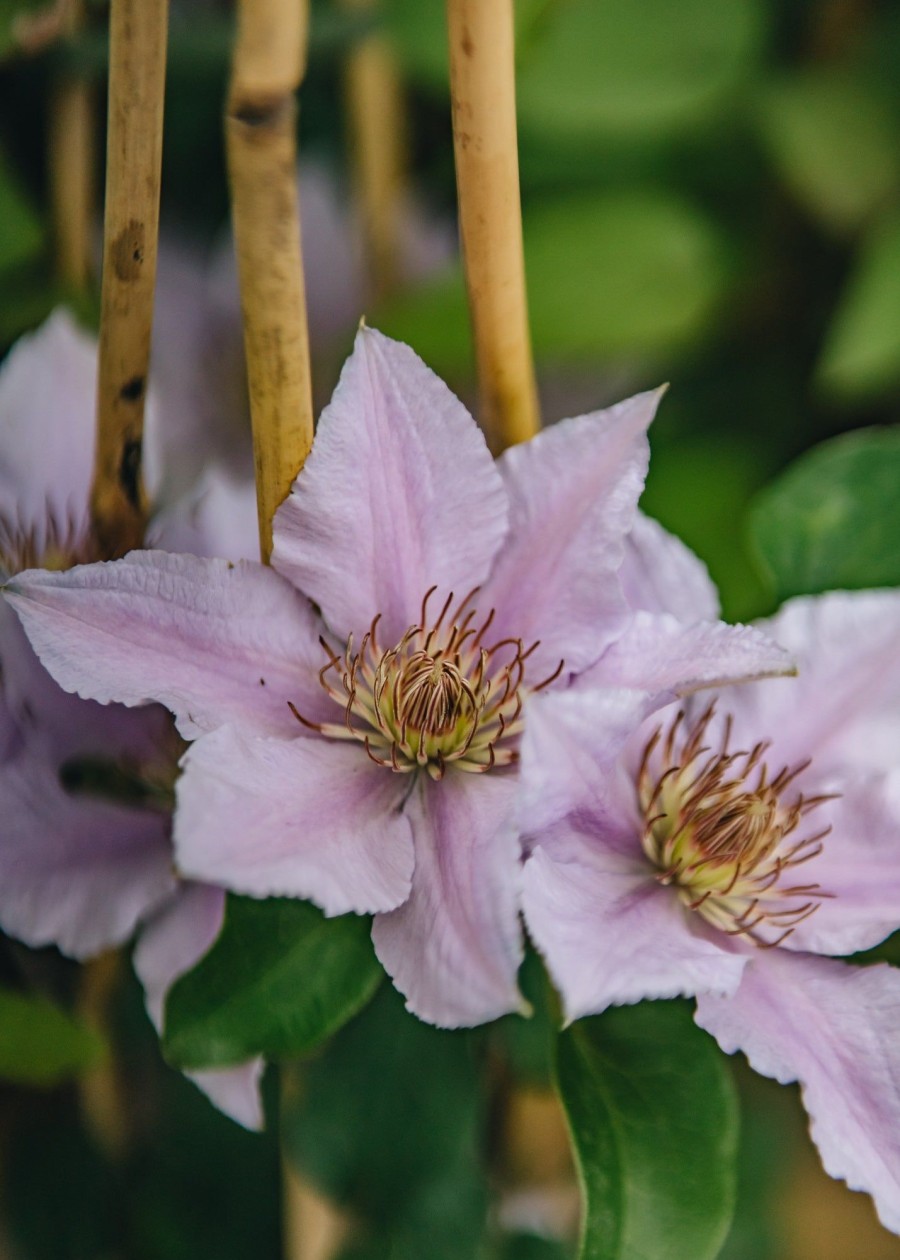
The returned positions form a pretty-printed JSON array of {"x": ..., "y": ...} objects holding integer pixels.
[
  {"x": 660, "y": 574},
  {"x": 75, "y": 872},
  {"x": 47, "y": 401},
  {"x": 570, "y": 760},
  {"x": 610, "y": 934},
  {"x": 217, "y": 518},
  {"x": 573, "y": 491},
  {"x": 453, "y": 950},
  {"x": 213, "y": 641},
  {"x": 170, "y": 945},
  {"x": 842, "y": 710},
  {"x": 294, "y": 818},
  {"x": 658, "y": 653},
  {"x": 399, "y": 494},
  {"x": 836, "y": 1030},
  {"x": 859, "y": 867}
]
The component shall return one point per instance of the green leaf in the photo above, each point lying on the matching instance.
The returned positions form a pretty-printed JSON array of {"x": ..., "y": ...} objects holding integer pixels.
[
  {"x": 22, "y": 235},
  {"x": 40, "y": 1044},
  {"x": 389, "y": 1123},
  {"x": 653, "y": 1115},
  {"x": 605, "y": 69},
  {"x": 278, "y": 981},
  {"x": 861, "y": 355},
  {"x": 635, "y": 273},
  {"x": 832, "y": 520},
  {"x": 834, "y": 140}
]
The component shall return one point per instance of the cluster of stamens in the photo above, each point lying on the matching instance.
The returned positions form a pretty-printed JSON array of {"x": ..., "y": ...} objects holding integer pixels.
[
  {"x": 724, "y": 834},
  {"x": 60, "y": 544},
  {"x": 439, "y": 696}
]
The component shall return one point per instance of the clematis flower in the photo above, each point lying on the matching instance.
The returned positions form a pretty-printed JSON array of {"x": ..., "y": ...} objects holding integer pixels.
[
  {"x": 357, "y": 708},
  {"x": 86, "y": 789},
  {"x": 726, "y": 849}
]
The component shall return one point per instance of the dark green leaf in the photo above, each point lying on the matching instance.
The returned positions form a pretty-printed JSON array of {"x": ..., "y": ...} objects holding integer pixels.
[
  {"x": 834, "y": 139},
  {"x": 21, "y": 236},
  {"x": 653, "y": 1115},
  {"x": 594, "y": 68},
  {"x": 40, "y": 1044},
  {"x": 389, "y": 1124},
  {"x": 832, "y": 521},
  {"x": 861, "y": 356},
  {"x": 278, "y": 981}
]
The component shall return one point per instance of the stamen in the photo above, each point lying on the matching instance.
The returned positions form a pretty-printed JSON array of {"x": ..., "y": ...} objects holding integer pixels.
[{"x": 718, "y": 829}]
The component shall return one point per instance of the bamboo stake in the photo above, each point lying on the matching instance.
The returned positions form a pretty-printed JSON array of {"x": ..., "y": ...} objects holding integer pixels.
[
  {"x": 314, "y": 1229},
  {"x": 376, "y": 118},
  {"x": 137, "y": 67},
  {"x": 71, "y": 167},
  {"x": 260, "y": 131},
  {"x": 482, "y": 87}
]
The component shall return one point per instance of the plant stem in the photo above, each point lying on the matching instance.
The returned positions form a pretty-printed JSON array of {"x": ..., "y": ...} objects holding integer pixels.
[
  {"x": 375, "y": 109},
  {"x": 137, "y": 67},
  {"x": 261, "y": 145},
  {"x": 71, "y": 167},
  {"x": 482, "y": 87}
]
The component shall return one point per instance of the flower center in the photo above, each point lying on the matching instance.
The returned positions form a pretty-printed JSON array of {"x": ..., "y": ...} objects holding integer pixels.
[
  {"x": 723, "y": 833},
  {"x": 438, "y": 696},
  {"x": 56, "y": 546}
]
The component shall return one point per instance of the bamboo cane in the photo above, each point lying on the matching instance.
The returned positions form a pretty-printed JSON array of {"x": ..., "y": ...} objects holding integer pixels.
[
  {"x": 137, "y": 69},
  {"x": 375, "y": 110},
  {"x": 269, "y": 63},
  {"x": 71, "y": 167},
  {"x": 482, "y": 86}
]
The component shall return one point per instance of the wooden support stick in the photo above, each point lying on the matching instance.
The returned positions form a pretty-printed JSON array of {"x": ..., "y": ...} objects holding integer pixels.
[
  {"x": 375, "y": 109},
  {"x": 71, "y": 167},
  {"x": 260, "y": 133},
  {"x": 482, "y": 87},
  {"x": 137, "y": 68},
  {"x": 313, "y": 1228}
]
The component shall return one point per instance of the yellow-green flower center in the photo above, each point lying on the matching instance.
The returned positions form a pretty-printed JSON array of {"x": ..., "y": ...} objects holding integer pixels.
[
  {"x": 723, "y": 832},
  {"x": 440, "y": 696}
]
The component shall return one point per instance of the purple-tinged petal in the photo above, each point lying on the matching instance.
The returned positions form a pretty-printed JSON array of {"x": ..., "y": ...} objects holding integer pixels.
[
  {"x": 59, "y": 726},
  {"x": 294, "y": 818},
  {"x": 836, "y": 1030},
  {"x": 842, "y": 710},
  {"x": 217, "y": 518},
  {"x": 658, "y": 653},
  {"x": 573, "y": 492},
  {"x": 570, "y": 761},
  {"x": 398, "y": 495},
  {"x": 610, "y": 934},
  {"x": 213, "y": 641},
  {"x": 47, "y": 401},
  {"x": 75, "y": 872},
  {"x": 660, "y": 574},
  {"x": 453, "y": 950},
  {"x": 859, "y": 866},
  {"x": 170, "y": 945}
]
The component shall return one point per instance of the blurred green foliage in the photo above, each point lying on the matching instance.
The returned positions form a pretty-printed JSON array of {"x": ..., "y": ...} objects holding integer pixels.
[{"x": 40, "y": 1044}]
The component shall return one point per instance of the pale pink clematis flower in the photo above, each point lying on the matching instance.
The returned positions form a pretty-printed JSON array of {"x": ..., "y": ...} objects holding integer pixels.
[
  {"x": 718, "y": 850},
  {"x": 83, "y": 868},
  {"x": 357, "y": 707}
]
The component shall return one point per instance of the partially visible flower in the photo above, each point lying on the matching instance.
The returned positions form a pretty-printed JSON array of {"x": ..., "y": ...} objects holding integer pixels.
[
  {"x": 366, "y": 757},
  {"x": 720, "y": 848},
  {"x": 87, "y": 790}
]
